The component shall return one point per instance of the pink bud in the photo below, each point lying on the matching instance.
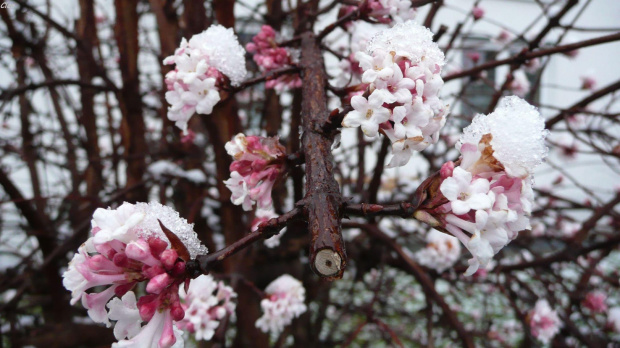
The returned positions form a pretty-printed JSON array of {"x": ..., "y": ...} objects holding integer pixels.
[
  {"x": 168, "y": 258},
  {"x": 157, "y": 246},
  {"x": 595, "y": 302},
  {"x": 106, "y": 250},
  {"x": 100, "y": 263},
  {"x": 178, "y": 269},
  {"x": 123, "y": 289},
  {"x": 147, "y": 305},
  {"x": 152, "y": 271},
  {"x": 167, "y": 339},
  {"x": 177, "y": 312},
  {"x": 477, "y": 12},
  {"x": 446, "y": 170},
  {"x": 140, "y": 251},
  {"x": 121, "y": 260},
  {"x": 158, "y": 283}
]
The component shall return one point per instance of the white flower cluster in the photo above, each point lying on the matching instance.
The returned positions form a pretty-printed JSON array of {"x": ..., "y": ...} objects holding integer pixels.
[
  {"x": 402, "y": 66},
  {"x": 285, "y": 301},
  {"x": 207, "y": 302},
  {"x": 544, "y": 321},
  {"x": 490, "y": 193},
  {"x": 201, "y": 63},
  {"x": 441, "y": 251}
]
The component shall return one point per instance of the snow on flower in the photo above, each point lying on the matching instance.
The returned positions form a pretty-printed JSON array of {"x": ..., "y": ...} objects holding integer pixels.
[
  {"x": 268, "y": 56},
  {"x": 402, "y": 67},
  {"x": 486, "y": 198},
  {"x": 200, "y": 67},
  {"x": 206, "y": 303},
  {"x": 544, "y": 322},
  {"x": 258, "y": 162},
  {"x": 441, "y": 251},
  {"x": 128, "y": 247},
  {"x": 284, "y": 302}
]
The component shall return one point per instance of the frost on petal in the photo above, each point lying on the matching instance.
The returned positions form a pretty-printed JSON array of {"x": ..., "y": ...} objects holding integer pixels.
[
  {"x": 410, "y": 40},
  {"x": 223, "y": 50}
]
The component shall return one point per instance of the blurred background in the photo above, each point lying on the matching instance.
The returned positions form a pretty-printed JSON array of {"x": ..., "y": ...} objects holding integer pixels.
[{"x": 83, "y": 125}]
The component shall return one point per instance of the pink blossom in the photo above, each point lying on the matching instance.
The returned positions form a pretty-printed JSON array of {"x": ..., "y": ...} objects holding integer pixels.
[
  {"x": 202, "y": 66},
  {"x": 588, "y": 82},
  {"x": 128, "y": 247},
  {"x": 268, "y": 56},
  {"x": 474, "y": 56},
  {"x": 206, "y": 303},
  {"x": 477, "y": 12},
  {"x": 258, "y": 162},
  {"x": 595, "y": 302},
  {"x": 487, "y": 199},
  {"x": 544, "y": 322},
  {"x": 284, "y": 302},
  {"x": 504, "y": 37}
]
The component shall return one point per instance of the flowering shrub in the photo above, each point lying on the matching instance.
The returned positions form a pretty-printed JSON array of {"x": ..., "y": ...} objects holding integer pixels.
[{"x": 374, "y": 229}]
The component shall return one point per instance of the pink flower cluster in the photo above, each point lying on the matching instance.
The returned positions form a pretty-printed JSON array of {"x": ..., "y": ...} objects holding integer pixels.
[
  {"x": 544, "y": 322},
  {"x": 129, "y": 247},
  {"x": 487, "y": 198},
  {"x": 595, "y": 301},
  {"x": 284, "y": 302},
  {"x": 206, "y": 303},
  {"x": 402, "y": 68},
  {"x": 201, "y": 65},
  {"x": 258, "y": 161},
  {"x": 268, "y": 56}
]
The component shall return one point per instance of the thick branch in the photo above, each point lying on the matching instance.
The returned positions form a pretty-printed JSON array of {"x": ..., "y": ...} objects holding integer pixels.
[{"x": 323, "y": 201}]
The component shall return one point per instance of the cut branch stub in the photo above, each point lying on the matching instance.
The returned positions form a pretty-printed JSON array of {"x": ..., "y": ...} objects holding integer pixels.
[
  {"x": 327, "y": 253},
  {"x": 322, "y": 205}
]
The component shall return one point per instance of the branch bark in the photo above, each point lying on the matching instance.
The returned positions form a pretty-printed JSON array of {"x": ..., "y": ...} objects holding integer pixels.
[{"x": 323, "y": 200}]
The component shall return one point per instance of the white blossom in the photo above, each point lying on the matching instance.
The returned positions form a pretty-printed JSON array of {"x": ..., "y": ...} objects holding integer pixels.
[
  {"x": 544, "y": 322},
  {"x": 125, "y": 312},
  {"x": 285, "y": 301},
  {"x": 441, "y": 251}
]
